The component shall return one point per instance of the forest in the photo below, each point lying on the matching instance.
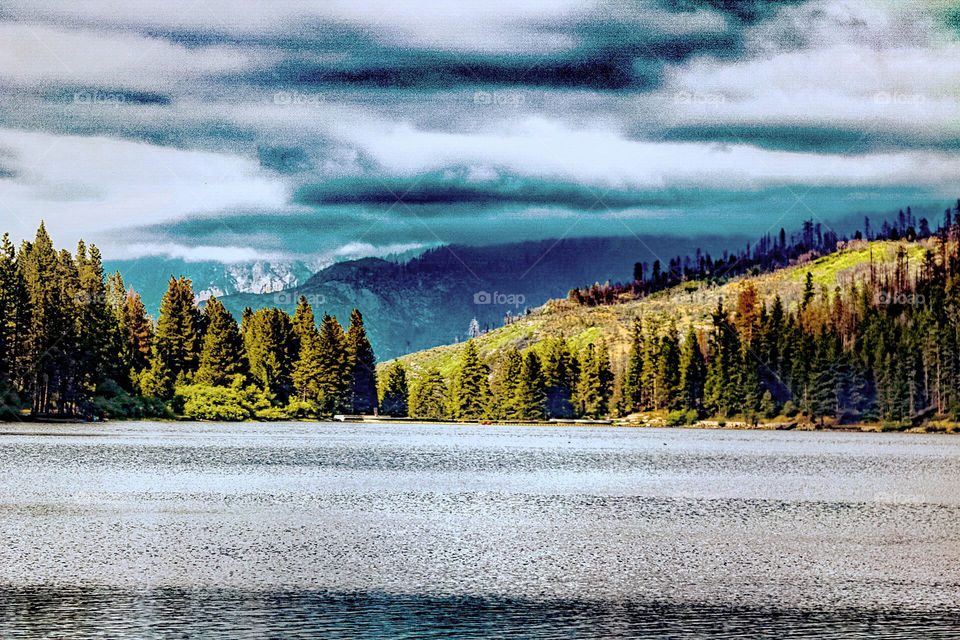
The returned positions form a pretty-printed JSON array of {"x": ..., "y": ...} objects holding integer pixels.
[
  {"x": 884, "y": 346},
  {"x": 77, "y": 343}
]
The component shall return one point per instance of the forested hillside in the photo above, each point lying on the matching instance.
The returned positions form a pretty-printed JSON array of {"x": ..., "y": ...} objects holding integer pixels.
[
  {"x": 838, "y": 330},
  {"x": 429, "y": 300},
  {"x": 868, "y": 332}
]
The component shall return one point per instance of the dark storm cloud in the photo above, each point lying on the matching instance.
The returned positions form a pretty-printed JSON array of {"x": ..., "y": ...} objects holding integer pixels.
[
  {"x": 437, "y": 190},
  {"x": 818, "y": 139},
  {"x": 609, "y": 57},
  {"x": 746, "y": 11}
]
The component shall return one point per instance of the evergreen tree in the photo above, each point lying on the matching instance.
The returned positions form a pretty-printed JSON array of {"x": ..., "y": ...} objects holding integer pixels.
[
  {"x": 48, "y": 327},
  {"x": 306, "y": 370},
  {"x": 506, "y": 387},
  {"x": 668, "y": 372},
  {"x": 470, "y": 391},
  {"x": 722, "y": 394},
  {"x": 138, "y": 331},
  {"x": 271, "y": 346},
  {"x": 807, "y": 292},
  {"x": 14, "y": 310},
  {"x": 221, "y": 357},
  {"x": 560, "y": 371},
  {"x": 333, "y": 381},
  {"x": 361, "y": 368},
  {"x": 394, "y": 395},
  {"x": 633, "y": 381},
  {"x": 692, "y": 372},
  {"x": 593, "y": 388},
  {"x": 428, "y": 399},
  {"x": 531, "y": 395},
  {"x": 175, "y": 344}
]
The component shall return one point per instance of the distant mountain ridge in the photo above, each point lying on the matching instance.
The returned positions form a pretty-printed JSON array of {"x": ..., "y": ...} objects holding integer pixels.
[
  {"x": 150, "y": 275},
  {"x": 430, "y": 300}
]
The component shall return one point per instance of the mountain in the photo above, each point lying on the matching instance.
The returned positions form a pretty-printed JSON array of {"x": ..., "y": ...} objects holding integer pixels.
[
  {"x": 149, "y": 276},
  {"x": 431, "y": 299},
  {"x": 690, "y": 303}
]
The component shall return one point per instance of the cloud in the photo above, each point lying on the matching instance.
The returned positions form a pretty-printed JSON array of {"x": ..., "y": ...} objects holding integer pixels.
[
  {"x": 194, "y": 253},
  {"x": 290, "y": 128},
  {"x": 82, "y": 184},
  {"x": 33, "y": 55}
]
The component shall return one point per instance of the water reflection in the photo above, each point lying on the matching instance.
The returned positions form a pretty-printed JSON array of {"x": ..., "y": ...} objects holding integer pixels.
[{"x": 178, "y": 613}]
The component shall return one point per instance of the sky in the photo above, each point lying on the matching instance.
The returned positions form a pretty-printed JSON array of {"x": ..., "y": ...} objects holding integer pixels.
[{"x": 233, "y": 130}]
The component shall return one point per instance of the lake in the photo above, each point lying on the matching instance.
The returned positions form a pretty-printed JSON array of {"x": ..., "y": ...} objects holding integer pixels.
[{"x": 295, "y": 530}]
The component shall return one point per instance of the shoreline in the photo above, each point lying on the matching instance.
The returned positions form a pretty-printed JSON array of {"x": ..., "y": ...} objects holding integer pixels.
[{"x": 945, "y": 428}]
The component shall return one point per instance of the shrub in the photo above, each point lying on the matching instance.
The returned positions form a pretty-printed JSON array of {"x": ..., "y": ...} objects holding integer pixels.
[
  {"x": 201, "y": 402},
  {"x": 676, "y": 418},
  {"x": 680, "y": 417},
  {"x": 115, "y": 402},
  {"x": 790, "y": 409},
  {"x": 300, "y": 409},
  {"x": 270, "y": 413}
]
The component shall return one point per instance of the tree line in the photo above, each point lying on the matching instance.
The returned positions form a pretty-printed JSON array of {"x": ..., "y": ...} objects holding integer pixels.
[
  {"x": 767, "y": 254},
  {"x": 75, "y": 342},
  {"x": 882, "y": 345}
]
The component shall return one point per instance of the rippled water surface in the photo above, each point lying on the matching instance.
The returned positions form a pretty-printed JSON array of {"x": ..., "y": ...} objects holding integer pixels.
[{"x": 144, "y": 530}]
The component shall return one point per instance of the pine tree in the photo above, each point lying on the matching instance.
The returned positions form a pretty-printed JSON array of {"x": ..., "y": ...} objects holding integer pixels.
[
  {"x": 668, "y": 372},
  {"x": 175, "y": 343},
  {"x": 560, "y": 371},
  {"x": 13, "y": 317},
  {"x": 429, "y": 398},
  {"x": 632, "y": 382},
  {"x": 807, "y": 292},
  {"x": 593, "y": 388},
  {"x": 531, "y": 396},
  {"x": 221, "y": 357},
  {"x": 470, "y": 391},
  {"x": 139, "y": 331},
  {"x": 722, "y": 394},
  {"x": 51, "y": 325},
  {"x": 506, "y": 387},
  {"x": 394, "y": 396},
  {"x": 306, "y": 369},
  {"x": 271, "y": 346},
  {"x": 692, "y": 372},
  {"x": 361, "y": 368},
  {"x": 333, "y": 381}
]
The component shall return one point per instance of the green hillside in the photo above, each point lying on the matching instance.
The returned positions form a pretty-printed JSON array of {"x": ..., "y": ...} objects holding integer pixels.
[{"x": 691, "y": 302}]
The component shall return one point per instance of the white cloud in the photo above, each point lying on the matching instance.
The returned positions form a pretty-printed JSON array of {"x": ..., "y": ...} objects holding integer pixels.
[
  {"x": 32, "y": 54},
  {"x": 358, "y": 249},
  {"x": 86, "y": 184},
  {"x": 539, "y": 148},
  {"x": 867, "y": 66},
  {"x": 228, "y": 255}
]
